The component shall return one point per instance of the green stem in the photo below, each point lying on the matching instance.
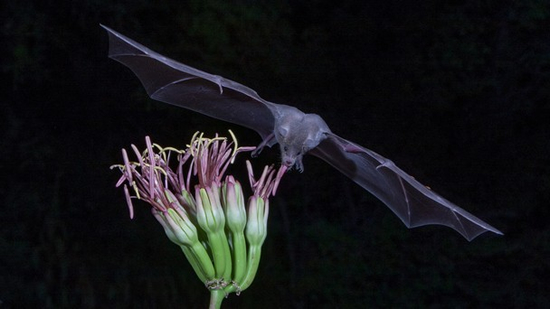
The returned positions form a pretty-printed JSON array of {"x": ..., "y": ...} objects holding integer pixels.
[
  {"x": 220, "y": 254},
  {"x": 254, "y": 255},
  {"x": 228, "y": 257},
  {"x": 240, "y": 264},
  {"x": 204, "y": 260},
  {"x": 239, "y": 257},
  {"x": 197, "y": 266},
  {"x": 216, "y": 298}
]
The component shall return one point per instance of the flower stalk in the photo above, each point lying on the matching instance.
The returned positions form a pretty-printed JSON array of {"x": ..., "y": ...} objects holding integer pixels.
[{"x": 202, "y": 210}]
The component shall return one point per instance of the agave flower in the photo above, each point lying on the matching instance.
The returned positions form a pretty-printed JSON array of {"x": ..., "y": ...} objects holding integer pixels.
[{"x": 202, "y": 210}]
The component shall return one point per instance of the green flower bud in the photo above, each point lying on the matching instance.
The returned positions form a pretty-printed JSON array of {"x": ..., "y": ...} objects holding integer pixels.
[
  {"x": 211, "y": 219},
  {"x": 179, "y": 229},
  {"x": 256, "y": 228},
  {"x": 234, "y": 205},
  {"x": 210, "y": 214}
]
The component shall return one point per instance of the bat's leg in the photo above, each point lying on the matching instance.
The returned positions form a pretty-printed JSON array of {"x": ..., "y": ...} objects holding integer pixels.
[
  {"x": 267, "y": 141},
  {"x": 298, "y": 164}
]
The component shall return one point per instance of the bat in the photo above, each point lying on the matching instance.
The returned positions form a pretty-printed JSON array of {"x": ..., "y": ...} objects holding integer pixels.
[{"x": 296, "y": 132}]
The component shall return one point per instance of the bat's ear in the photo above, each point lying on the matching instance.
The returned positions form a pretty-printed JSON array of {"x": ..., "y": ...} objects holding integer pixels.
[
  {"x": 310, "y": 143},
  {"x": 319, "y": 137},
  {"x": 282, "y": 131}
]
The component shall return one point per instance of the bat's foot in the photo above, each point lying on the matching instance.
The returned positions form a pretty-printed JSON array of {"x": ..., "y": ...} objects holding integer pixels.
[
  {"x": 268, "y": 141},
  {"x": 298, "y": 165},
  {"x": 256, "y": 152}
]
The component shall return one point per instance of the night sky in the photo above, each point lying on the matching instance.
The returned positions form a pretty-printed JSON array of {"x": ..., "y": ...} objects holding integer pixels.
[{"x": 456, "y": 94}]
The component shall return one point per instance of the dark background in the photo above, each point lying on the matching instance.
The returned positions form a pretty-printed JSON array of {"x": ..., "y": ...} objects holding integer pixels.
[{"x": 456, "y": 93}]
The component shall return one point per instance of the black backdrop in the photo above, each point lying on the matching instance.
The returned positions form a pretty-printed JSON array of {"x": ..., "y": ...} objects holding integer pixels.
[{"x": 457, "y": 94}]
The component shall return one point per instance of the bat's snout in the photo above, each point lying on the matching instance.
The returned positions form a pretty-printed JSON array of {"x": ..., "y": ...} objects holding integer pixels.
[{"x": 288, "y": 162}]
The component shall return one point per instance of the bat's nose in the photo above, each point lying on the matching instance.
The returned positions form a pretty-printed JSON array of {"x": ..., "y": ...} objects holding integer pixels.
[{"x": 288, "y": 162}]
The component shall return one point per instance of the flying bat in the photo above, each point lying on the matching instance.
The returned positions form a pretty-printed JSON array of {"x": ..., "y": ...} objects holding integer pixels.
[{"x": 296, "y": 132}]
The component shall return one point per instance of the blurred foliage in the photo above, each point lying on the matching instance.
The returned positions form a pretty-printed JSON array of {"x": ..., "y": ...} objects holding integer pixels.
[{"x": 456, "y": 93}]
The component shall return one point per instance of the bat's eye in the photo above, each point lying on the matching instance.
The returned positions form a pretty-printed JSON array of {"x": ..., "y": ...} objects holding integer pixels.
[
  {"x": 298, "y": 153},
  {"x": 285, "y": 148}
]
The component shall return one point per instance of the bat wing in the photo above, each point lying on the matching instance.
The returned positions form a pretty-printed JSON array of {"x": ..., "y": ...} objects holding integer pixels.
[
  {"x": 412, "y": 202},
  {"x": 175, "y": 83}
]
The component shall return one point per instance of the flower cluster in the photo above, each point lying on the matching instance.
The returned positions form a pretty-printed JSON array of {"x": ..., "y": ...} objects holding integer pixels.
[{"x": 202, "y": 210}]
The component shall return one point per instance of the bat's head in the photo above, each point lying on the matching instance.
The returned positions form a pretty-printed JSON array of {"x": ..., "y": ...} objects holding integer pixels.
[
  {"x": 292, "y": 156},
  {"x": 298, "y": 133},
  {"x": 293, "y": 148}
]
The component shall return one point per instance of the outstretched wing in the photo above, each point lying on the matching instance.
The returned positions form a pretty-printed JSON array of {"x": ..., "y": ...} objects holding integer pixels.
[
  {"x": 175, "y": 83},
  {"x": 412, "y": 202}
]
